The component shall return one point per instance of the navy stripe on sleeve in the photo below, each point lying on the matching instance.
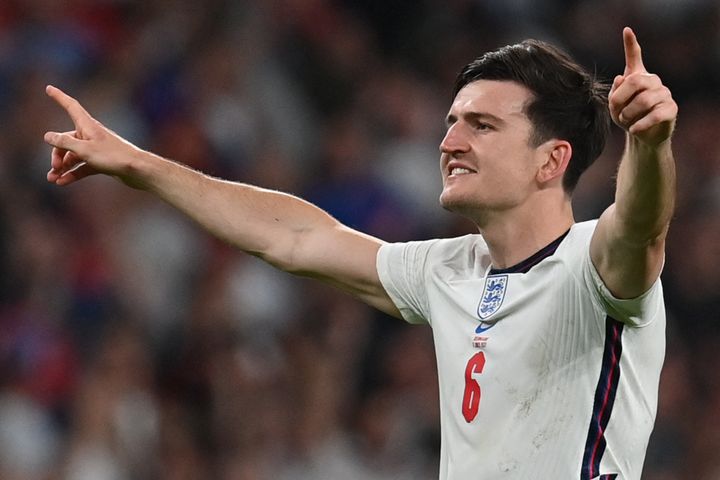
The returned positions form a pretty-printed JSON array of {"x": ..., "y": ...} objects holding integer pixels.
[{"x": 604, "y": 400}]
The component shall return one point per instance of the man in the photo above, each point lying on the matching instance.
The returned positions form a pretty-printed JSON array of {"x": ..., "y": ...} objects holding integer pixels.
[{"x": 549, "y": 334}]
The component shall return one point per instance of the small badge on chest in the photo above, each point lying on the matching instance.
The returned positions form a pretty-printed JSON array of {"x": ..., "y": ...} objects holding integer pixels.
[{"x": 479, "y": 341}]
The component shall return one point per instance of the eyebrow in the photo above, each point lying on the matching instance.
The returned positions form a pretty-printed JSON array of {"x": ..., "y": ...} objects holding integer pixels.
[{"x": 473, "y": 116}]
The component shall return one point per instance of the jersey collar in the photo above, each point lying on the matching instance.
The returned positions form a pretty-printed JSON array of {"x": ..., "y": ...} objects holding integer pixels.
[{"x": 525, "y": 265}]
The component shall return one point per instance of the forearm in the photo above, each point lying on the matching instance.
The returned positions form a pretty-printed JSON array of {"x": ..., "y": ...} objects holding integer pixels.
[
  {"x": 261, "y": 222},
  {"x": 645, "y": 194}
]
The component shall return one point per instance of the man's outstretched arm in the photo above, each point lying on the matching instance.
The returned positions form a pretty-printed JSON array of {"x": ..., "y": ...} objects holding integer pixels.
[
  {"x": 629, "y": 242},
  {"x": 283, "y": 230}
]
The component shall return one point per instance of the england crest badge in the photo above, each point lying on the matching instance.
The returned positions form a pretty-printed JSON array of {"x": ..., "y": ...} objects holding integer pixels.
[{"x": 492, "y": 296}]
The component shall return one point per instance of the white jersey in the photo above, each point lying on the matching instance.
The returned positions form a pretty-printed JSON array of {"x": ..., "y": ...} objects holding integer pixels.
[{"x": 543, "y": 373}]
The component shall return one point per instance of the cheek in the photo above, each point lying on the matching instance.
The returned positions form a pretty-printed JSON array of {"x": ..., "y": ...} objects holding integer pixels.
[
  {"x": 508, "y": 180},
  {"x": 515, "y": 163}
]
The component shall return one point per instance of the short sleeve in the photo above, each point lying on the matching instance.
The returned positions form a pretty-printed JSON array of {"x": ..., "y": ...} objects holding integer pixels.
[
  {"x": 637, "y": 312},
  {"x": 401, "y": 268}
]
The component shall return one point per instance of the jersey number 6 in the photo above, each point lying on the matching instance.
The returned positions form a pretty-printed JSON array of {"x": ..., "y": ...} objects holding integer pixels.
[{"x": 471, "y": 398}]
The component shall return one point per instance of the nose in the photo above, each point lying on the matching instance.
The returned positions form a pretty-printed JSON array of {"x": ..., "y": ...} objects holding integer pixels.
[{"x": 455, "y": 140}]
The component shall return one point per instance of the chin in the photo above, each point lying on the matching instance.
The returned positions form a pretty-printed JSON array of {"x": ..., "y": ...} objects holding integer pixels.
[
  {"x": 469, "y": 207},
  {"x": 455, "y": 204}
]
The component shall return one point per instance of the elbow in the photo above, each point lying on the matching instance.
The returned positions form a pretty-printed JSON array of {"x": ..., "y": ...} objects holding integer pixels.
[
  {"x": 644, "y": 236},
  {"x": 283, "y": 253},
  {"x": 644, "y": 230}
]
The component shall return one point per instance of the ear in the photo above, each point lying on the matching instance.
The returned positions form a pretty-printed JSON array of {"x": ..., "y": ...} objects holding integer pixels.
[{"x": 556, "y": 156}]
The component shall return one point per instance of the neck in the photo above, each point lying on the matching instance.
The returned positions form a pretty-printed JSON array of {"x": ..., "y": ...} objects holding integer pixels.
[{"x": 513, "y": 236}]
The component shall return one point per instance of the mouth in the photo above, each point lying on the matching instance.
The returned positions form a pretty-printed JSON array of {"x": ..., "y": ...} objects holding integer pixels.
[{"x": 456, "y": 169}]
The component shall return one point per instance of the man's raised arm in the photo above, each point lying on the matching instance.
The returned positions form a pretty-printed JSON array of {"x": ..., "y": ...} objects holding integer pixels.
[
  {"x": 283, "y": 230},
  {"x": 629, "y": 242}
]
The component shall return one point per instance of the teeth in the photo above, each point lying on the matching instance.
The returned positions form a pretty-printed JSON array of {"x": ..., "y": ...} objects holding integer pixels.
[{"x": 459, "y": 171}]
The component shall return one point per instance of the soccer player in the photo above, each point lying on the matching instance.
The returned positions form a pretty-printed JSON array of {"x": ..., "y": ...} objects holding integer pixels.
[{"x": 549, "y": 334}]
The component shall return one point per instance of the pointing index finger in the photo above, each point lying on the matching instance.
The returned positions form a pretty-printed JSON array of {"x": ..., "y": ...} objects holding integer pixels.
[
  {"x": 633, "y": 52},
  {"x": 77, "y": 113}
]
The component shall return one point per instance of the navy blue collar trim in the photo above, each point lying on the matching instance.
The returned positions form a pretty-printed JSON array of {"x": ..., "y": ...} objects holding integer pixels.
[{"x": 528, "y": 263}]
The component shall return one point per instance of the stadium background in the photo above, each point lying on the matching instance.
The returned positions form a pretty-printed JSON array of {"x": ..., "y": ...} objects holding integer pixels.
[{"x": 133, "y": 346}]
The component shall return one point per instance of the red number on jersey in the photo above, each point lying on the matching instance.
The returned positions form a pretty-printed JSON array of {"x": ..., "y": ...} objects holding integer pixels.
[{"x": 471, "y": 398}]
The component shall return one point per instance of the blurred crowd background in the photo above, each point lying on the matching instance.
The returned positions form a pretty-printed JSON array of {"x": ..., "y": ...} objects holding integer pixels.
[{"x": 133, "y": 346}]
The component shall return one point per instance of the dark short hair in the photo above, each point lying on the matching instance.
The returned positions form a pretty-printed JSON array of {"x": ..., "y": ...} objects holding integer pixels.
[{"x": 569, "y": 103}]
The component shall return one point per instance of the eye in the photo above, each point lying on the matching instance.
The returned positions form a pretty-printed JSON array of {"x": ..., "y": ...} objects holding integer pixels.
[{"x": 483, "y": 126}]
